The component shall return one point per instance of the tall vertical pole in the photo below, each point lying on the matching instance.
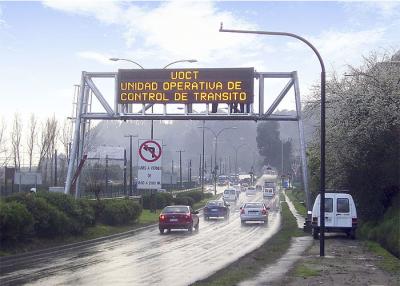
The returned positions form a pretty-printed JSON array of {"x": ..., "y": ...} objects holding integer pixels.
[
  {"x": 215, "y": 166},
  {"x": 125, "y": 192},
  {"x": 180, "y": 168},
  {"x": 322, "y": 174},
  {"x": 130, "y": 166},
  {"x": 106, "y": 174},
  {"x": 190, "y": 171},
  {"x": 202, "y": 167},
  {"x": 55, "y": 168}
]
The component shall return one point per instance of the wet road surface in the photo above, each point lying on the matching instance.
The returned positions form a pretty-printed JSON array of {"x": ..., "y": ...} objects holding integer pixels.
[{"x": 148, "y": 258}]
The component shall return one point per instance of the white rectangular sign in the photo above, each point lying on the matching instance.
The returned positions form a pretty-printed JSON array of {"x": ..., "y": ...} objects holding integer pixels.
[{"x": 149, "y": 164}]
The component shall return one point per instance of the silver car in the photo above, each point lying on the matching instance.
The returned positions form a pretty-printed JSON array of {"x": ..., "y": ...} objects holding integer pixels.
[{"x": 254, "y": 211}]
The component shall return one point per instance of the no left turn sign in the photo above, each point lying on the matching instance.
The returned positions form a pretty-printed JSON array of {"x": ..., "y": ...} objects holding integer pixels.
[{"x": 150, "y": 151}]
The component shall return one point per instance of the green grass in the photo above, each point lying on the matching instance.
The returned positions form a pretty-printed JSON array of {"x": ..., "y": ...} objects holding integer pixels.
[
  {"x": 389, "y": 262},
  {"x": 148, "y": 217},
  {"x": 252, "y": 263},
  {"x": 304, "y": 272},
  {"x": 297, "y": 196}
]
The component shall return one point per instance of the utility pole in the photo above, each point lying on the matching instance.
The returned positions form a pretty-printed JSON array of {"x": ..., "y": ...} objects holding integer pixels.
[
  {"x": 125, "y": 193},
  {"x": 180, "y": 167},
  {"x": 55, "y": 168},
  {"x": 130, "y": 162}
]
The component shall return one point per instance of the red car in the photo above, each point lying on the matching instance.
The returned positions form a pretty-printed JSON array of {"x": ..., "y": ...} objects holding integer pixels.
[{"x": 178, "y": 217}]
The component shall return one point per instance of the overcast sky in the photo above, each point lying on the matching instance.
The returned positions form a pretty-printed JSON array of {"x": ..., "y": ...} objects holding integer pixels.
[{"x": 44, "y": 46}]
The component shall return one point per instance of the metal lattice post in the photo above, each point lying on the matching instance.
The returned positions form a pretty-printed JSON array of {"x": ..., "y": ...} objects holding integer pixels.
[
  {"x": 303, "y": 146},
  {"x": 75, "y": 142}
]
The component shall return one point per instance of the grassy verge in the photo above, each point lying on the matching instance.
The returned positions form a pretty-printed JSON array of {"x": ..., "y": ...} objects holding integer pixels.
[
  {"x": 389, "y": 262},
  {"x": 297, "y": 196},
  {"x": 252, "y": 263},
  {"x": 304, "y": 272}
]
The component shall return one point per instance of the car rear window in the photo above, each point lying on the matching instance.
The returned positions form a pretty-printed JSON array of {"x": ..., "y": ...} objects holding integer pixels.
[
  {"x": 176, "y": 210},
  {"x": 328, "y": 205},
  {"x": 343, "y": 205},
  {"x": 253, "y": 205},
  {"x": 214, "y": 203}
]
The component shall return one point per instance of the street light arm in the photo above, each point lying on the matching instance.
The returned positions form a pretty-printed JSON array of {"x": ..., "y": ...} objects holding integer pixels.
[
  {"x": 126, "y": 60},
  {"x": 180, "y": 61},
  {"x": 279, "y": 34}
]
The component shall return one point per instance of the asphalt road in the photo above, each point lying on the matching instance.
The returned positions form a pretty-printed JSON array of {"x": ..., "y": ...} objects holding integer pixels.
[{"x": 148, "y": 258}]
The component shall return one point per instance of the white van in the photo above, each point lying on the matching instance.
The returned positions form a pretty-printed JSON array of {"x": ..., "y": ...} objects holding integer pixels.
[
  {"x": 268, "y": 192},
  {"x": 340, "y": 214},
  {"x": 229, "y": 195}
]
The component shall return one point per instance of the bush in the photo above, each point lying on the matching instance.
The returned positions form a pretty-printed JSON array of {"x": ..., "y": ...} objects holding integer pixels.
[
  {"x": 48, "y": 220},
  {"x": 162, "y": 200},
  {"x": 74, "y": 209},
  {"x": 117, "y": 212},
  {"x": 197, "y": 196},
  {"x": 16, "y": 223},
  {"x": 386, "y": 232},
  {"x": 187, "y": 201}
]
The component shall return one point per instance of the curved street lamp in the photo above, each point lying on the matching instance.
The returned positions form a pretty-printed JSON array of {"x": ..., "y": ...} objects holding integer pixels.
[
  {"x": 216, "y": 134},
  {"x": 126, "y": 60},
  {"x": 322, "y": 163}
]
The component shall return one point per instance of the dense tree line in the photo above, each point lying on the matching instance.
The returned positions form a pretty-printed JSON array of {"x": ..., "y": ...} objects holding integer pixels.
[{"x": 362, "y": 134}]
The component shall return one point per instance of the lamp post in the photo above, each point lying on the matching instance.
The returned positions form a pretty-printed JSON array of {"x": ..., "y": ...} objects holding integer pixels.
[
  {"x": 216, "y": 134},
  {"x": 236, "y": 155},
  {"x": 180, "y": 167},
  {"x": 322, "y": 163},
  {"x": 130, "y": 161}
]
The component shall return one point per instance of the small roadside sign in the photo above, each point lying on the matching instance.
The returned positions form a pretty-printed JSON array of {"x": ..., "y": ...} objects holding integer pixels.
[{"x": 149, "y": 164}]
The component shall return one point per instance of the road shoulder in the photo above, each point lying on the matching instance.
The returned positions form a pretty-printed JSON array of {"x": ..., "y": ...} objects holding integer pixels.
[{"x": 347, "y": 262}]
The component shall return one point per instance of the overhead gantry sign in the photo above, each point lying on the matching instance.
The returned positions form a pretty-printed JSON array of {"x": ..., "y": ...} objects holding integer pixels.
[
  {"x": 234, "y": 85},
  {"x": 206, "y": 94}
]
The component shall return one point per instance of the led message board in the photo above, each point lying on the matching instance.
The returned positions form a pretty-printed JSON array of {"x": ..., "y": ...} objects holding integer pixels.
[{"x": 214, "y": 85}]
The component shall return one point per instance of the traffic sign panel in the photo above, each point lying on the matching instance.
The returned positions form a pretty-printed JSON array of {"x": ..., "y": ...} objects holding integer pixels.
[{"x": 149, "y": 164}]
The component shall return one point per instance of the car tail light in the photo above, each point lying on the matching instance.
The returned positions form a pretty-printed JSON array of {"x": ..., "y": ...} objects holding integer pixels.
[
  {"x": 188, "y": 216},
  {"x": 241, "y": 211},
  {"x": 264, "y": 211},
  {"x": 162, "y": 217},
  {"x": 354, "y": 220},
  {"x": 314, "y": 220}
]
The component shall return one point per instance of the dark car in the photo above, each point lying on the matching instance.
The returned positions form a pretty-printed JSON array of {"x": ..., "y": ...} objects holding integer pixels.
[
  {"x": 216, "y": 209},
  {"x": 178, "y": 217}
]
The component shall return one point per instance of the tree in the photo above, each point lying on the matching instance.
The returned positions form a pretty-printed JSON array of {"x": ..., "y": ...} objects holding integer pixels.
[
  {"x": 46, "y": 144},
  {"x": 362, "y": 138},
  {"x": 16, "y": 135},
  {"x": 4, "y": 156},
  {"x": 276, "y": 152},
  {"x": 31, "y": 138}
]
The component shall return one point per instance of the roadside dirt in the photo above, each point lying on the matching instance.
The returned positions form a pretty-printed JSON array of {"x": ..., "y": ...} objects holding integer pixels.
[{"x": 346, "y": 262}]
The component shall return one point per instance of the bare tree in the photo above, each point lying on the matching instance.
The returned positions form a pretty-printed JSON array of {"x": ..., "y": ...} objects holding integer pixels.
[
  {"x": 4, "y": 156},
  {"x": 48, "y": 137},
  {"x": 16, "y": 135},
  {"x": 65, "y": 137},
  {"x": 31, "y": 138}
]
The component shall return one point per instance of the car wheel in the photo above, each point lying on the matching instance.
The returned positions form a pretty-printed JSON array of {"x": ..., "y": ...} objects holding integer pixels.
[
  {"x": 161, "y": 230},
  {"x": 353, "y": 234},
  {"x": 315, "y": 233},
  {"x": 190, "y": 228},
  {"x": 168, "y": 230},
  {"x": 243, "y": 222},
  {"x": 206, "y": 218},
  {"x": 197, "y": 226}
]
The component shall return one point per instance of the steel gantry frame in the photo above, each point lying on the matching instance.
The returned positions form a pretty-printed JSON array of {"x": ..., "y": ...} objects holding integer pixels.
[{"x": 125, "y": 112}]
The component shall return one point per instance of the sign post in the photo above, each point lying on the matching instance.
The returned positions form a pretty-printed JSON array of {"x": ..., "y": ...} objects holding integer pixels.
[{"x": 149, "y": 164}]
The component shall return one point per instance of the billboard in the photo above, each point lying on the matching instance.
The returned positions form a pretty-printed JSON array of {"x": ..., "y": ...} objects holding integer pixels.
[
  {"x": 149, "y": 164},
  {"x": 213, "y": 85}
]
